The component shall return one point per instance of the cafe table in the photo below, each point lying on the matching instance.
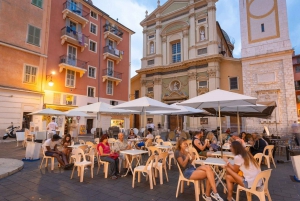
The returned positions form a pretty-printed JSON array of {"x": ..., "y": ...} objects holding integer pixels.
[
  {"x": 75, "y": 146},
  {"x": 132, "y": 153},
  {"x": 225, "y": 153},
  {"x": 215, "y": 163}
]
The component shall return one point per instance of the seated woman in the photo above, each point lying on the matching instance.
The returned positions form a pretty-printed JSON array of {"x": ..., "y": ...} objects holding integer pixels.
[
  {"x": 131, "y": 134},
  {"x": 244, "y": 137},
  {"x": 107, "y": 155},
  {"x": 200, "y": 146},
  {"x": 243, "y": 161},
  {"x": 65, "y": 143},
  {"x": 212, "y": 141},
  {"x": 185, "y": 159}
]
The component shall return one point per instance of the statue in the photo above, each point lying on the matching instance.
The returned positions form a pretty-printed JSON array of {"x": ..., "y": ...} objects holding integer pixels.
[
  {"x": 202, "y": 35},
  {"x": 175, "y": 86}
]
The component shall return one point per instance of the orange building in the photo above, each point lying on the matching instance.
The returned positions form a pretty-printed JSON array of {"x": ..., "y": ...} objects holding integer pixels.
[
  {"x": 23, "y": 57},
  {"x": 90, "y": 53},
  {"x": 296, "y": 68}
]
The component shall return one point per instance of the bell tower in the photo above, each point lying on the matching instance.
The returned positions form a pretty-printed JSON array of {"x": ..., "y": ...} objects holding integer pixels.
[{"x": 267, "y": 62}]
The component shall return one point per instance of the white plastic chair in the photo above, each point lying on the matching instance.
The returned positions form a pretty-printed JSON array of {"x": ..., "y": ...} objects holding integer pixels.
[
  {"x": 258, "y": 158},
  {"x": 81, "y": 164},
  {"x": 269, "y": 157},
  {"x": 81, "y": 142},
  {"x": 262, "y": 176},
  {"x": 104, "y": 163},
  {"x": 161, "y": 166},
  {"x": 46, "y": 162},
  {"x": 97, "y": 140},
  {"x": 148, "y": 168}
]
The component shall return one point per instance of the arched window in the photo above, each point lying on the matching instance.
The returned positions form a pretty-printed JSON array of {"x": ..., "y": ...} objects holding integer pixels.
[{"x": 152, "y": 48}]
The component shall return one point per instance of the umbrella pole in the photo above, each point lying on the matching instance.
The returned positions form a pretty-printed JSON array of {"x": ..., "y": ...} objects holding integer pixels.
[
  {"x": 220, "y": 130},
  {"x": 177, "y": 121},
  {"x": 276, "y": 123},
  {"x": 238, "y": 120}
]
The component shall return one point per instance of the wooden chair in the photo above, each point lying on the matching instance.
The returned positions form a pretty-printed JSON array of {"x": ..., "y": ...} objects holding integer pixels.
[
  {"x": 81, "y": 164},
  {"x": 148, "y": 168},
  {"x": 268, "y": 158},
  {"x": 262, "y": 176},
  {"x": 258, "y": 158},
  {"x": 160, "y": 166},
  {"x": 46, "y": 160},
  {"x": 181, "y": 181}
]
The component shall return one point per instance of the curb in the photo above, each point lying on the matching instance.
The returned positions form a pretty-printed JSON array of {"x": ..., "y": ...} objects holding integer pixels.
[{"x": 14, "y": 170}]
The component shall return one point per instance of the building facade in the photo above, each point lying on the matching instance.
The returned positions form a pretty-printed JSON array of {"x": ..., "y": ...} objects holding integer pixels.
[
  {"x": 90, "y": 53},
  {"x": 267, "y": 62},
  {"x": 186, "y": 53},
  {"x": 23, "y": 49},
  {"x": 296, "y": 69}
]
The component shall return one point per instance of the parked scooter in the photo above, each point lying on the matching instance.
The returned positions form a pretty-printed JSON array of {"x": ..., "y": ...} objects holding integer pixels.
[{"x": 11, "y": 131}]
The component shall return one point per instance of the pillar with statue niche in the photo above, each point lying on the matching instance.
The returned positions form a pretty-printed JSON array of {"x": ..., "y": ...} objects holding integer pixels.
[{"x": 213, "y": 75}]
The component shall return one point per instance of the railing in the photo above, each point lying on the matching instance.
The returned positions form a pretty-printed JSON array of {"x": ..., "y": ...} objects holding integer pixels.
[
  {"x": 112, "y": 50},
  {"x": 73, "y": 61},
  {"x": 111, "y": 73},
  {"x": 81, "y": 38},
  {"x": 297, "y": 87},
  {"x": 114, "y": 30},
  {"x": 72, "y": 6}
]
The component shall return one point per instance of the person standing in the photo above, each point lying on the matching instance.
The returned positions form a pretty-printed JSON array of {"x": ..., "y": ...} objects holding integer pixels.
[
  {"x": 295, "y": 131},
  {"x": 51, "y": 127},
  {"x": 74, "y": 130}
]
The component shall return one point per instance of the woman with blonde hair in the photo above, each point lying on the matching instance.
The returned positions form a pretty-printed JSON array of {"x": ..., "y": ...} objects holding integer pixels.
[
  {"x": 211, "y": 137},
  {"x": 185, "y": 159},
  {"x": 244, "y": 162}
]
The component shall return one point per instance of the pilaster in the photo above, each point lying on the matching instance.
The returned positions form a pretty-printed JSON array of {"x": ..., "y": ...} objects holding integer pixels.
[{"x": 212, "y": 28}]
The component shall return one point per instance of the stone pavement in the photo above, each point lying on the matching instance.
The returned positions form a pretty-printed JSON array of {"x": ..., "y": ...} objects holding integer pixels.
[{"x": 31, "y": 183}]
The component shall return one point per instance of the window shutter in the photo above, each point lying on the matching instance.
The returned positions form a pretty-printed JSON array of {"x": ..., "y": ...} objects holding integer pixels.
[
  {"x": 37, "y": 34},
  {"x": 79, "y": 5},
  {"x": 64, "y": 99},
  {"x": 67, "y": 22},
  {"x": 35, "y": 2},
  {"x": 30, "y": 34},
  {"x": 79, "y": 28},
  {"x": 33, "y": 74},
  {"x": 74, "y": 100},
  {"x": 39, "y": 3},
  {"x": 106, "y": 42}
]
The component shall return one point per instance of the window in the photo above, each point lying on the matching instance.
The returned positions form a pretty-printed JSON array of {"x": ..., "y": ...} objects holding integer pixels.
[
  {"x": 73, "y": 26},
  {"x": 93, "y": 29},
  {"x": 150, "y": 62},
  {"x": 202, "y": 51},
  {"x": 298, "y": 60},
  {"x": 92, "y": 72},
  {"x": 91, "y": 91},
  {"x": 150, "y": 89},
  {"x": 93, "y": 46},
  {"x": 56, "y": 98},
  {"x": 297, "y": 69},
  {"x": 233, "y": 82},
  {"x": 109, "y": 87},
  {"x": 38, "y": 3},
  {"x": 70, "y": 78},
  {"x": 30, "y": 73},
  {"x": 111, "y": 43},
  {"x": 34, "y": 35},
  {"x": 262, "y": 27},
  {"x": 176, "y": 52},
  {"x": 151, "y": 36},
  {"x": 203, "y": 84},
  {"x": 202, "y": 20},
  {"x": 113, "y": 102},
  {"x": 136, "y": 94},
  {"x": 110, "y": 68},
  {"x": 69, "y": 99},
  {"x": 151, "y": 48},
  {"x": 94, "y": 15}
]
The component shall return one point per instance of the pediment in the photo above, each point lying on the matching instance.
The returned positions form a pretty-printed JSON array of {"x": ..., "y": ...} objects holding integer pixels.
[
  {"x": 174, "y": 7},
  {"x": 175, "y": 95}
]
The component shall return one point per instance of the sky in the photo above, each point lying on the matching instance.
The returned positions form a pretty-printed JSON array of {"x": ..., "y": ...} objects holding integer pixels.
[{"x": 131, "y": 12}]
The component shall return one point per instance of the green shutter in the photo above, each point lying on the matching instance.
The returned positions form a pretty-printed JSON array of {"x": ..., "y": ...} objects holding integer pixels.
[
  {"x": 40, "y": 3},
  {"x": 30, "y": 34},
  {"x": 37, "y": 34}
]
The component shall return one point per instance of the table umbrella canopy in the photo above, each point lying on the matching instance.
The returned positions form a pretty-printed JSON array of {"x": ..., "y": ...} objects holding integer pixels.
[
  {"x": 71, "y": 113},
  {"x": 101, "y": 107},
  {"x": 144, "y": 104},
  {"x": 182, "y": 110},
  {"x": 218, "y": 98},
  {"x": 260, "y": 110},
  {"x": 48, "y": 112}
]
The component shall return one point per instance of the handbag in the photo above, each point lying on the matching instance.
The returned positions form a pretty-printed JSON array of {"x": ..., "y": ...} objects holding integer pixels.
[{"x": 114, "y": 156}]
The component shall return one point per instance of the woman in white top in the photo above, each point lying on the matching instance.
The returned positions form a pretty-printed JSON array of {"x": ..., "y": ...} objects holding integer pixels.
[{"x": 244, "y": 162}]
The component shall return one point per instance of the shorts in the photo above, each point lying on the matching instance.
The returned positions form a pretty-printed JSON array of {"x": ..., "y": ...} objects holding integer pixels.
[
  {"x": 141, "y": 144},
  {"x": 245, "y": 183},
  {"x": 49, "y": 153},
  {"x": 258, "y": 188},
  {"x": 188, "y": 172},
  {"x": 203, "y": 153}
]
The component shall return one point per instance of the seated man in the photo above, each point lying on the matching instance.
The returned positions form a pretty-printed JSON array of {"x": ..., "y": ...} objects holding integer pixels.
[
  {"x": 149, "y": 136},
  {"x": 121, "y": 145},
  {"x": 50, "y": 149},
  {"x": 235, "y": 137},
  {"x": 258, "y": 145},
  {"x": 200, "y": 146}
]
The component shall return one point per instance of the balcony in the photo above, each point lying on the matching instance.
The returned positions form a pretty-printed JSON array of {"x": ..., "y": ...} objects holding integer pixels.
[
  {"x": 112, "y": 76},
  {"x": 69, "y": 63},
  {"x": 73, "y": 37},
  {"x": 112, "y": 53},
  {"x": 297, "y": 87},
  {"x": 112, "y": 33},
  {"x": 74, "y": 11}
]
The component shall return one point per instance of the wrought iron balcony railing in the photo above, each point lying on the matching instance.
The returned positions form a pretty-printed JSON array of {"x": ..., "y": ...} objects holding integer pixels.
[
  {"x": 73, "y": 61},
  {"x": 114, "y": 30},
  {"x": 80, "y": 37},
  {"x": 73, "y": 6},
  {"x": 113, "y": 74}
]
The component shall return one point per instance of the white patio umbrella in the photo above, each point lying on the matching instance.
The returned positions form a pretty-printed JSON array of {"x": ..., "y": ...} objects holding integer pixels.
[
  {"x": 143, "y": 105},
  {"x": 219, "y": 98},
  {"x": 48, "y": 112},
  {"x": 72, "y": 113}
]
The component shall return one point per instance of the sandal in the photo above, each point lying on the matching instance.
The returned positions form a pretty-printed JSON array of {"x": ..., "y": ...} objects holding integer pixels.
[{"x": 114, "y": 177}]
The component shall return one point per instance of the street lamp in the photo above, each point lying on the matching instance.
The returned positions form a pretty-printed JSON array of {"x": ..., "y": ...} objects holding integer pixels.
[{"x": 50, "y": 83}]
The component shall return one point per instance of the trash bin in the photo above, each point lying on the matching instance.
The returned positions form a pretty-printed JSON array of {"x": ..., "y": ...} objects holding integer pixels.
[{"x": 33, "y": 150}]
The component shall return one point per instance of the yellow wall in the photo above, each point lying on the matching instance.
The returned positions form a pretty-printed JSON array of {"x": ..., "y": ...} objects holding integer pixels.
[
  {"x": 135, "y": 84},
  {"x": 231, "y": 68}
]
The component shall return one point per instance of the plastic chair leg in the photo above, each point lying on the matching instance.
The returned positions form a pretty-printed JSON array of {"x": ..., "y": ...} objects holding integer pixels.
[
  {"x": 139, "y": 177},
  {"x": 165, "y": 168},
  {"x": 42, "y": 163},
  {"x": 196, "y": 185},
  {"x": 133, "y": 179},
  {"x": 92, "y": 171},
  {"x": 267, "y": 159},
  {"x": 46, "y": 163},
  {"x": 150, "y": 179},
  {"x": 178, "y": 186},
  {"x": 52, "y": 163},
  {"x": 182, "y": 186},
  {"x": 72, "y": 172},
  {"x": 81, "y": 173},
  {"x": 237, "y": 198},
  {"x": 249, "y": 196}
]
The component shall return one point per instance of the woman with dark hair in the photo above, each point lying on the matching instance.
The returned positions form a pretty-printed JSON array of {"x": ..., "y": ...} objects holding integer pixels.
[
  {"x": 185, "y": 159},
  {"x": 131, "y": 134},
  {"x": 107, "y": 155},
  {"x": 66, "y": 142},
  {"x": 244, "y": 162},
  {"x": 244, "y": 137}
]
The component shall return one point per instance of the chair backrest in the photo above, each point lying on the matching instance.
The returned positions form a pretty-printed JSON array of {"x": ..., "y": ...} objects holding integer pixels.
[
  {"x": 111, "y": 140},
  {"x": 156, "y": 137},
  {"x": 89, "y": 143},
  {"x": 163, "y": 157},
  {"x": 148, "y": 143},
  {"x": 72, "y": 143},
  {"x": 269, "y": 148},
  {"x": 149, "y": 162},
  {"x": 189, "y": 142},
  {"x": 159, "y": 141},
  {"x": 171, "y": 135},
  {"x": 258, "y": 158},
  {"x": 263, "y": 176},
  {"x": 194, "y": 151},
  {"x": 180, "y": 172},
  {"x": 97, "y": 140},
  {"x": 81, "y": 142},
  {"x": 78, "y": 155},
  {"x": 153, "y": 149},
  {"x": 83, "y": 148}
]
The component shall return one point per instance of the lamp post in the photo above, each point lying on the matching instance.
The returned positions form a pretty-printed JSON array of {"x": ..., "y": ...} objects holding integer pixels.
[{"x": 50, "y": 83}]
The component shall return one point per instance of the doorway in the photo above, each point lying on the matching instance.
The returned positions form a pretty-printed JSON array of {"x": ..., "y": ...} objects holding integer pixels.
[
  {"x": 26, "y": 120},
  {"x": 89, "y": 125},
  {"x": 173, "y": 124}
]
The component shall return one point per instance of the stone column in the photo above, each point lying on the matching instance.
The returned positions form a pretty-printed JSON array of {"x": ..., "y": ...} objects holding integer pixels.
[
  {"x": 212, "y": 29},
  {"x": 213, "y": 75},
  {"x": 158, "y": 58},
  {"x": 185, "y": 49},
  {"x": 164, "y": 50},
  {"x": 145, "y": 42},
  {"x": 192, "y": 84},
  {"x": 192, "y": 34},
  {"x": 184, "y": 122},
  {"x": 166, "y": 122}
]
